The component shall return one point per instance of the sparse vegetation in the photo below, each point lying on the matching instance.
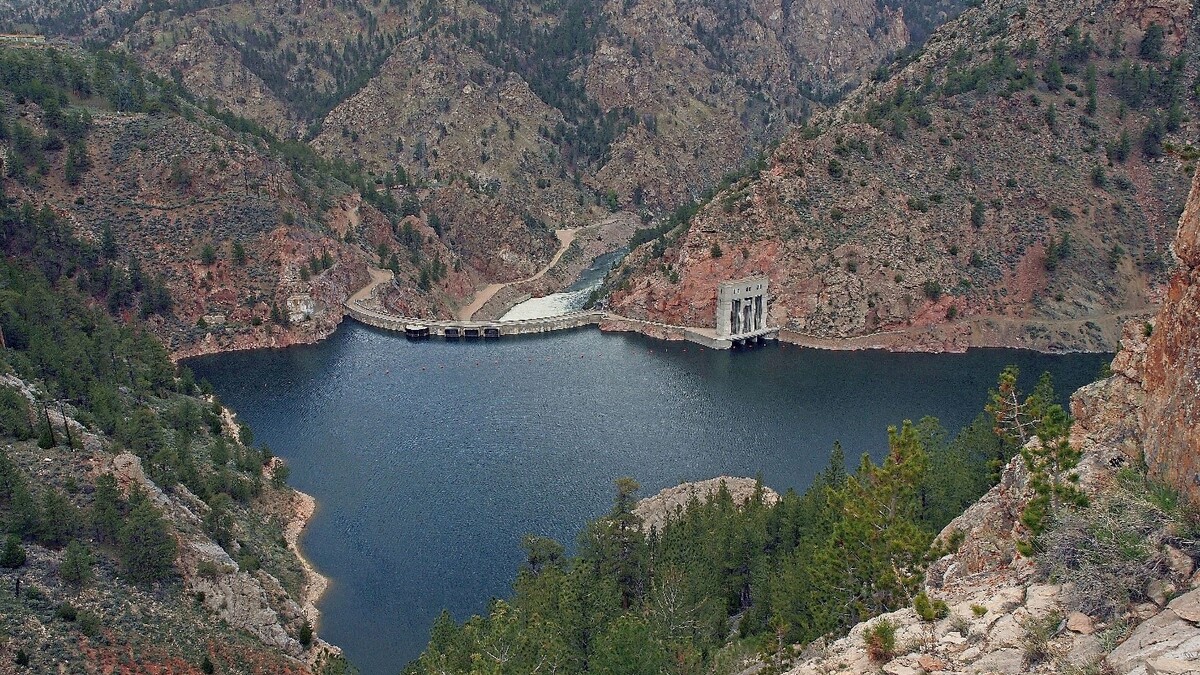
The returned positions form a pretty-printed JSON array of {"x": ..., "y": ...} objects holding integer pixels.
[
  {"x": 1039, "y": 631},
  {"x": 880, "y": 641}
]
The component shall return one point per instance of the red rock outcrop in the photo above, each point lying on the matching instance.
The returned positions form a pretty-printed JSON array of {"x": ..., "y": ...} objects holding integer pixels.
[
  {"x": 1172, "y": 369},
  {"x": 942, "y": 230}
]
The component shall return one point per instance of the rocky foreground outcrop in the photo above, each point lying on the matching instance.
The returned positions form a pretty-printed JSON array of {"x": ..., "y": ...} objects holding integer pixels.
[
  {"x": 1008, "y": 613},
  {"x": 250, "y": 600},
  {"x": 656, "y": 511}
]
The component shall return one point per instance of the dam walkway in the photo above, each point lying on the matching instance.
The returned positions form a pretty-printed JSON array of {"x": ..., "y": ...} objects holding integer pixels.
[{"x": 366, "y": 308}]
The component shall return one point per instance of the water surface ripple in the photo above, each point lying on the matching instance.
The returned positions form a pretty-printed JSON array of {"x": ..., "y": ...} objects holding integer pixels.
[{"x": 430, "y": 460}]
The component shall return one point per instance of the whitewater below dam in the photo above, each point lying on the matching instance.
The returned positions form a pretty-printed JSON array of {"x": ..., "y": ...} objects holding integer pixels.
[{"x": 430, "y": 459}]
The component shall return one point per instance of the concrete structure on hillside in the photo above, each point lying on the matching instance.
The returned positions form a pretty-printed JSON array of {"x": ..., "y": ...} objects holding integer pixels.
[
  {"x": 742, "y": 308},
  {"x": 301, "y": 307}
]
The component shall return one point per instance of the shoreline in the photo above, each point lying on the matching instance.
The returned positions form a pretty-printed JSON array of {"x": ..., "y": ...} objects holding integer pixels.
[
  {"x": 303, "y": 507},
  {"x": 668, "y": 333},
  {"x": 316, "y": 584},
  {"x": 200, "y": 349}
]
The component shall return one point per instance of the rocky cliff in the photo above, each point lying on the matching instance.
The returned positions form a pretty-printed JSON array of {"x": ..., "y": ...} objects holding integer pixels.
[
  {"x": 237, "y": 601},
  {"x": 1172, "y": 373},
  {"x": 1085, "y": 602},
  {"x": 1010, "y": 185}
]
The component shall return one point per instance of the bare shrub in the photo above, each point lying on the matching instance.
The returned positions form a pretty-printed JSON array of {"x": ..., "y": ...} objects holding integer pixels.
[{"x": 1108, "y": 551}]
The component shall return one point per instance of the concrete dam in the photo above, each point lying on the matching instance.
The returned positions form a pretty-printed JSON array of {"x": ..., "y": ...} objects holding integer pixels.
[
  {"x": 740, "y": 320},
  {"x": 419, "y": 328}
]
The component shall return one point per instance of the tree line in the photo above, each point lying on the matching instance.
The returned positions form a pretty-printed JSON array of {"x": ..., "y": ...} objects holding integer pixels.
[{"x": 721, "y": 582}]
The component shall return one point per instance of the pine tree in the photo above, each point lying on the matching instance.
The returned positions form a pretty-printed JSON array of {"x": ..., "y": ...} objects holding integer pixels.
[
  {"x": 835, "y": 474},
  {"x": 879, "y": 538},
  {"x": 146, "y": 547},
  {"x": 629, "y": 647},
  {"x": 106, "y": 509},
  {"x": 59, "y": 519},
  {"x": 13, "y": 555},
  {"x": 76, "y": 568},
  {"x": 1051, "y": 462},
  {"x": 24, "y": 517}
]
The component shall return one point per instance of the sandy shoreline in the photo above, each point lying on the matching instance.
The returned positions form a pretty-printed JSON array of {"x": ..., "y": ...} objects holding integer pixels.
[{"x": 315, "y": 584}]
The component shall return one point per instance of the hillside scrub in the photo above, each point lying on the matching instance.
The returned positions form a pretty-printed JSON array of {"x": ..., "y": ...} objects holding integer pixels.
[{"x": 89, "y": 554}]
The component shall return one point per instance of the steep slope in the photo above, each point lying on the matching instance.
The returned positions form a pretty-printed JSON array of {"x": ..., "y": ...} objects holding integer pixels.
[
  {"x": 511, "y": 118},
  {"x": 1173, "y": 365},
  {"x": 1112, "y": 587},
  {"x": 242, "y": 240},
  {"x": 1015, "y": 184},
  {"x": 143, "y": 532}
]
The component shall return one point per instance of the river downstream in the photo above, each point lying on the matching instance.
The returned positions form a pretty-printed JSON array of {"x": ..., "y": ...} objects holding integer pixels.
[{"x": 429, "y": 460}]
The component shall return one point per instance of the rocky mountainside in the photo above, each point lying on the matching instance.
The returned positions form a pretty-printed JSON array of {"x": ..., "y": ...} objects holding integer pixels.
[
  {"x": 244, "y": 612},
  {"x": 1015, "y": 183},
  {"x": 255, "y": 241},
  {"x": 1111, "y": 587},
  {"x": 143, "y": 531},
  {"x": 507, "y": 119}
]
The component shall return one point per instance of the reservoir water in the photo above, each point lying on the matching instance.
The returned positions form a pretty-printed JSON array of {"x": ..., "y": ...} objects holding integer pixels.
[{"x": 429, "y": 460}]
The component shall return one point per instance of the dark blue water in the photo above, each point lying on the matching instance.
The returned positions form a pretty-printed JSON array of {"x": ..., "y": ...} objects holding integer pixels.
[{"x": 430, "y": 460}]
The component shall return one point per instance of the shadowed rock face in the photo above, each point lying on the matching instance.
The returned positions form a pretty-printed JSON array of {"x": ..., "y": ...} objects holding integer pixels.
[{"x": 1172, "y": 370}]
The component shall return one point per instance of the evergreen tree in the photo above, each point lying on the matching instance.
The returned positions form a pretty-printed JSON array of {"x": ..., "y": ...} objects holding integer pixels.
[
  {"x": 1151, "y": 47},
  {"x": 14, "y": 414},
  {"x": 629, "y": 647},
  {"x": 835, "y": 474},
  {"x": 145, "y": 545},
  {"x": 59, "y": 519},
  {"x": 24, "y": 518},
  {"x": 106, "y": 509},
  {"x": 76, "y": 567},
  {"x": 1051, "y": 461},
  {"x": 879, "y": 537},
  {"x": 219, "y": 520},
  {"x": 13, "y": 555}
]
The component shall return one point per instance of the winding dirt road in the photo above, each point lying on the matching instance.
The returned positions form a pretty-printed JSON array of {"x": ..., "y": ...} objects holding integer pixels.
[{"x": 565, "y": 238}]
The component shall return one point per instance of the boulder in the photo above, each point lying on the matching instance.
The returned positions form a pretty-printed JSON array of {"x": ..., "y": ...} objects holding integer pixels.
[
  {"x": 1167, "y": 666},
  {"x": 1041, "y": 600},
  {"x": 1163, "y": 636},
  {"x": 1187, "y": 606},
  {"x": 1181, "y": 564},
  {"x": 1080, "y": 623},
  {"x": 1085, "y": 650},
  {"x": 1002, "y": 661},
  {"x": 1160, "y": 591}
]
